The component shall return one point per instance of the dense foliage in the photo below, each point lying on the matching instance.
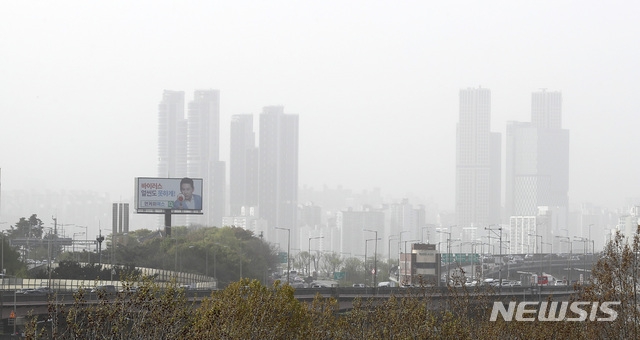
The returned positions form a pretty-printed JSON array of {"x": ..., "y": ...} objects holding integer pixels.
[{"x": 247, "y": 309}]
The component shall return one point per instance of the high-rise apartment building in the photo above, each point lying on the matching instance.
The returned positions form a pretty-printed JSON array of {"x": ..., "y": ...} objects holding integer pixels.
[
  {"x": 190, "y": 147},
  {"x": 278, "y": 179},
  {"x": 546, "y": 109},
  {"x": 477, "y": 163},
  {"x": 203, "y": 155},
  {"x": 537, "y": 165},
  {"x": 172, "y": 135},
  {"x": 243, "y": 164}
]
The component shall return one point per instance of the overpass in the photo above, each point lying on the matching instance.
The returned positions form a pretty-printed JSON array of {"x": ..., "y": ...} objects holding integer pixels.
[{"x": 23, "y": 304}]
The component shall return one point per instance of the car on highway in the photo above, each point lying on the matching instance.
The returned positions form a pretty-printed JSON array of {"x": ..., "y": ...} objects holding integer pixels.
[
  {"x": 38, "y": 291},
  {"x": 104, "y": 289}
]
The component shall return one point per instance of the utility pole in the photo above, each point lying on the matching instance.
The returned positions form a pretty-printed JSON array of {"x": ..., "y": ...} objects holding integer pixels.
[
  {"x": 499, "y": 232},
  {"x": 288, "y": 253},
  {"x": 375, "y": 258}
]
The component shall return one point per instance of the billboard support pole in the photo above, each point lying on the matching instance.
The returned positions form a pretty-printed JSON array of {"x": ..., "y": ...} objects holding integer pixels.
[{"x": 167, "y": 222}]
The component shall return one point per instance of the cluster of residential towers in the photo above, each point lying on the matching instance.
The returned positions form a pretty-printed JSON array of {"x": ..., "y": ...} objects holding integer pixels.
[{"x": 262, "y": 181}]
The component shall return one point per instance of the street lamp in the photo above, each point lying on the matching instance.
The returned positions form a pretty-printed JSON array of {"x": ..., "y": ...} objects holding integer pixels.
[
  {"x": 288, "y": 251},
  {"x": 585, "y": 244},
  {"x": 375, "y": 257},
  {"x": 422, "y": 238},
  {"x": 405, "y": 260},
  {"x": 568, "y": 240},
  {"x": 366, "y": 242},
  {"x": 549, "y": 255},
  {"x": 73, "y": 241},
  {"x": 535, "y": 243},
  {"x": 400, "y": 249},
  {"x": 448, "y": 251},
  {"x": 391, "y": 237},
  {"x": 86, "y": 241},
  {"x": 311, "y": 238},
  {"x": 592, "y": 250},
  {"x": 498, "y": 231}
]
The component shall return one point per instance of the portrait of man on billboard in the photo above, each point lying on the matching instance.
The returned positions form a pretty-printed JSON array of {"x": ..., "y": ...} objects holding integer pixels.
[{"x": 187, "y": 200}]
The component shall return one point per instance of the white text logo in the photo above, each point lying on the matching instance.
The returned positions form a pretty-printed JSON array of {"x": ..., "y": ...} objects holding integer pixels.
[{"x": 548, "y": 311}]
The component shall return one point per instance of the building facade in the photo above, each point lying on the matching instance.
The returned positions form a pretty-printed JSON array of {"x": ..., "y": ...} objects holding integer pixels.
[
  {"x": 478, "y": 189},
  {"x": 190, "y": 147},
  {"x": 537, "y": 165},
  {"x": 243, "y": 164},
  {"x": 278, "y": 171},
  {"x": 203, "y": 155}
]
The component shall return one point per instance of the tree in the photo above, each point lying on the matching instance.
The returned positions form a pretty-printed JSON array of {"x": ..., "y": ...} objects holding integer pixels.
[
  {"x": 31, "y": 228},
  {"x": 301, "y": 261},
  {"x": 354, "y": 270},
  {"x": 331, "y": 262},
  {"x": 615, "y": 278}
]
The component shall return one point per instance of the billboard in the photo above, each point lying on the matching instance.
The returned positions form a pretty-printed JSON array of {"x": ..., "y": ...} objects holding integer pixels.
[{"x": 180, "y": 195}]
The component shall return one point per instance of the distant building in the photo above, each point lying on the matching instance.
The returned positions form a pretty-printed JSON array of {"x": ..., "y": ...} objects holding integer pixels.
[
  {"x": 351, "y": 225},
  {"x": 203, "y": 155},
  {"x": 537, "y": 165},
  {"x": 478, "y": 189},
  {"x": 243, "y": 164},
  {"x": 190, "y": 147},
  {"x": 520, "y": 230},
  {"x": 628, "y": 224},
  {"x": 278, "y": 169},
  {"x": 421, "y": 266}
]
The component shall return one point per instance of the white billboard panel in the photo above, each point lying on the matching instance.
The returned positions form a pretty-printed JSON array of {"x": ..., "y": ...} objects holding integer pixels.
[{"x": 181, "y": 195}]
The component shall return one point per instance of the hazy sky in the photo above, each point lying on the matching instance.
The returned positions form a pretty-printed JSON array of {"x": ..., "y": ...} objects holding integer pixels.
[{"x": 375, "y": 84}]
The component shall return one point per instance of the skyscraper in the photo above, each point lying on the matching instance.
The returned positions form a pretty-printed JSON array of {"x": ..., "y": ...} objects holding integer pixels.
[
  {"x": 278, "y": 157},
  {"x": 191, "y": 147},
  {"x": 537, "y": 165},
  {"x": 243, "y": 165},
  {"x": 172, "y": 135},
  {"x": 477, "y": 162},
  {"x": 203, "y": 151},
  {"x": 546, "y": 109}
]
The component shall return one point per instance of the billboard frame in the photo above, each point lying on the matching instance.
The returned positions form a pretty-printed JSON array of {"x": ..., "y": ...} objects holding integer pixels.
[{"x": 155, "y": 187}]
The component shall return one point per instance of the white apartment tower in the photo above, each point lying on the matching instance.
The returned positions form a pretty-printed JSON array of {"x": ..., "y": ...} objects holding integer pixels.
[{"x": 477, "y": 163}]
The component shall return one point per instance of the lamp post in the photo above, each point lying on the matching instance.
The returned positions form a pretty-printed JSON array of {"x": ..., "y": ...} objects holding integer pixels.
[
  {"x": 422, "y": 238},
  {"x": 175, "y": 263},
  {"x": 400, "y": 249},
  {"x": 405, "y": 260},
  {"x": 535, "y": 242},
  {"x": 311, "y": 238},
  {"x": 592, "y": 250},
  {"x": 585, "y": 244},
  {"x": 288, "y": 251},
  {"x": 474, "y": 250},
  {"x": 549, "y": 255},
  {"x": 375, "y": 257},
  {"x": 86, "y": 241},
  {"x": 2, "y": 270},
  {"x": 498, "y": 231},
  {"x": 366, "y": 270},
  {"x": 73, "y": 241},
  {"x": 568, "y": 240},
  {"x": 448, "y": 251},
  {"x": 391, "y": 237}
]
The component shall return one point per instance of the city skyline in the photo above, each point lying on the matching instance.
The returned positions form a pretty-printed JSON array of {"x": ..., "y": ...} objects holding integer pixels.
[{"x": 375, "y": 86}]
